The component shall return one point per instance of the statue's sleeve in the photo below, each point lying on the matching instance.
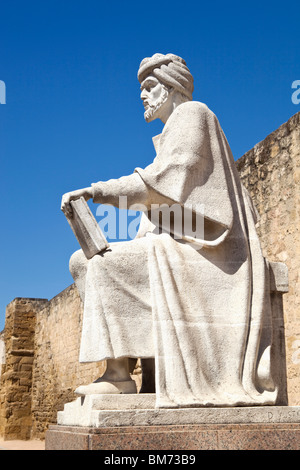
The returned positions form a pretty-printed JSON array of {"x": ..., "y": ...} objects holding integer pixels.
[
  {"x": 193, "y": 166},
  {"x": 131, "y": 186}
]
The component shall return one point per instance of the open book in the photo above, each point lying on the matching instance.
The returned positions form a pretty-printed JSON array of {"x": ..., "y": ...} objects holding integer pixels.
[{"x": 86, "y": 229}]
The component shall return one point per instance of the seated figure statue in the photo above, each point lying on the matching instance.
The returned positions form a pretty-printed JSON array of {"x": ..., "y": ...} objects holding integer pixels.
[{"x": 199, "y": 306}]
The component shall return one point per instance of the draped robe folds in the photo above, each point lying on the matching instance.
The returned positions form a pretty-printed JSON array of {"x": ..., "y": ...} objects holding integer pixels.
[{"x": 201, "y": 309}]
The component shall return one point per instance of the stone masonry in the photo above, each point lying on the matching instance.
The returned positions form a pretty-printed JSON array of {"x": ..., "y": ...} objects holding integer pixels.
[
  {"x": 57, "y": 371},
  {"x": 39, "y": 346},
  {"x": 2, "y": 351},
  {"x": 271, "y": 173},
  {"x": 16, "y": 376}
]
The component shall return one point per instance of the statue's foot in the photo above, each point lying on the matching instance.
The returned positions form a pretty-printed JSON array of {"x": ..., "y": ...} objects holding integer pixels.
[{"x": 103, "y": 387}]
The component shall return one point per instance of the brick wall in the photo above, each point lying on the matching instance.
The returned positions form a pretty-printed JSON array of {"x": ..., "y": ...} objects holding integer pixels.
[{"x": 16, "y": 377}]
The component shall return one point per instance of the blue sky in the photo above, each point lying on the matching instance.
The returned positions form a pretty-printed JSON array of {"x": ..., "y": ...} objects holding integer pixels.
[{"x": 73, "y": 115}]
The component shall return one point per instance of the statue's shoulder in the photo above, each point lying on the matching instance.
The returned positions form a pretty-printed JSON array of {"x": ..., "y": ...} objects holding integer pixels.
[
  {"x": 190, "y": 114},
  {"x": 192, "y": 109}
]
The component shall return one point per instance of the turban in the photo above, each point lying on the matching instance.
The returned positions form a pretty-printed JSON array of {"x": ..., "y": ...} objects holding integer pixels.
[{"x": 169, "y": 69}]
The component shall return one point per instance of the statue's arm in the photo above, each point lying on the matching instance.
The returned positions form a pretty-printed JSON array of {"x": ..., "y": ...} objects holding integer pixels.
[
  {"x": 132, "y": 186},
  {"x": 108, "y": 192}
]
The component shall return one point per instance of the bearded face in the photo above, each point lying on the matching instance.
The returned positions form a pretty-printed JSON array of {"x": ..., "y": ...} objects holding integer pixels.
[{"x": 154, "y": 96}]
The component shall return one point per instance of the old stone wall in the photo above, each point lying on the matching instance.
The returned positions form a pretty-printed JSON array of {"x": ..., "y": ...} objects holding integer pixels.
[
  {"x": 40, "y": 370},
  {"x": 57, "y": 371},
  {"x": 16, "y": 377},
  {"x": 2, "y": 351},
  {"x": 2, "y": 370},
  {"x": 271, "y": 173}
]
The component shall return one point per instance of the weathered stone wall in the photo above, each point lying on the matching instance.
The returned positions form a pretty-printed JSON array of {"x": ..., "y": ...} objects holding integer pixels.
[
  {"x": 2, "y": 370},
  {"x": 42, "y": 338},
  {"x": 271, "y": 173},
  {"x": 57, "y": 371},
  {"x": 2, "y": 351},
  {"x": 16, "y": 377},
  {"x": 41, "y": 369}
]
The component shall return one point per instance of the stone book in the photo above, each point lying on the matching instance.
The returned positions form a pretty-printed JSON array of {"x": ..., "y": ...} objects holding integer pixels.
[{"x": 86, "y": 229}]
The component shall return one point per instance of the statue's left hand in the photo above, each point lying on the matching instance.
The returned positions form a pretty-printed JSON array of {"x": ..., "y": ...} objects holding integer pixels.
[{"x": 72, "y": 196}]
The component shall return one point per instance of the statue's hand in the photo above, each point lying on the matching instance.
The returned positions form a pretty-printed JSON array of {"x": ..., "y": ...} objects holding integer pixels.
[{"x": 72, "y": 196}]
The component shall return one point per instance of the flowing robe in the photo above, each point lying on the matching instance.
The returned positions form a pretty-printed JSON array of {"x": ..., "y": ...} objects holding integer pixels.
[{"x": 199, "y": 306}]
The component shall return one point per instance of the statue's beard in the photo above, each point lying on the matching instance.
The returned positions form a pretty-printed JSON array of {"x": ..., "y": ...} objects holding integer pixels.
[{"x": 151, "y": 110}]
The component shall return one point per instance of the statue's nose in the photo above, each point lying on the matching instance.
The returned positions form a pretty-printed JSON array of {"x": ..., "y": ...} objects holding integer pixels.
[{"x": 143, "y": 94}]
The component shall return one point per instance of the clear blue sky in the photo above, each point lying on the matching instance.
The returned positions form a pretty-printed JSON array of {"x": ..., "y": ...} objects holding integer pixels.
[{"x": 73, "y": 113}]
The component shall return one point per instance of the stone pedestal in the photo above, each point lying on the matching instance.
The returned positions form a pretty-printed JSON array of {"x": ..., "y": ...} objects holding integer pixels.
[
  {"x": 131, "y": 422},
  {"x": 275, "y": 436}
]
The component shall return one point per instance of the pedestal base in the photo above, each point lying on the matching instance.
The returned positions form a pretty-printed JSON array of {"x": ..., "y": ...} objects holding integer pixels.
[
  {"x": 131, "y": 422},
  {"x": 273, "y": 436}
]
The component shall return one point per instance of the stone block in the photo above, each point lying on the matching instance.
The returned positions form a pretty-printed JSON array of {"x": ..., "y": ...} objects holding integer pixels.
[
  {"x": 68, "y": 440},
  {"x": 25, "y": 381},
  {"x": 27, "y": 360},
  {"x": 275, "y": 436},
  {"x": 26, "y": 367},
  {"x": 139, "y": 410}
]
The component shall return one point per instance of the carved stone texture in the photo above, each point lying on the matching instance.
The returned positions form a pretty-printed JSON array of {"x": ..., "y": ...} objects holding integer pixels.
[{"x": 197, "y": 301}]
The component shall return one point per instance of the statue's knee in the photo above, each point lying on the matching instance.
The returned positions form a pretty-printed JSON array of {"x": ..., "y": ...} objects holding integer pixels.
[{"x": 77, "y": 262}]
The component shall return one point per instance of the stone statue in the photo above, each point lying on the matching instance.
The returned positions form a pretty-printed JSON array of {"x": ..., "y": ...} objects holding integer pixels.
[{"x": 200, "y": 306}]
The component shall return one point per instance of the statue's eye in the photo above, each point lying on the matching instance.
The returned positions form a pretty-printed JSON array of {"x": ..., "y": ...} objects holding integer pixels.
[{"x": 149, "y": 86}]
